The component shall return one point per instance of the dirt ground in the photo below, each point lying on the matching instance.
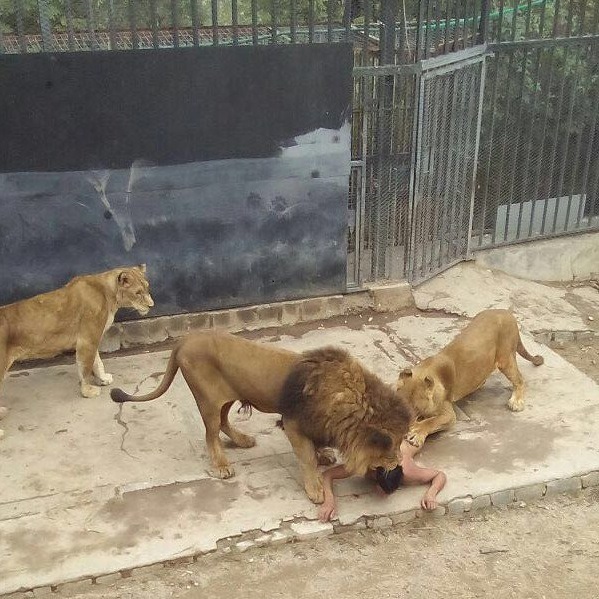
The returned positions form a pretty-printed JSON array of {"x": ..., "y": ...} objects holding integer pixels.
[{"x": 545, "y": 550}]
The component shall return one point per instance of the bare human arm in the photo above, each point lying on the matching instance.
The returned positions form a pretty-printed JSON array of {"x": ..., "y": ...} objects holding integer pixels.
[
  {"x": 417, "y": 475},
  {"x": 328, "y": 509}
]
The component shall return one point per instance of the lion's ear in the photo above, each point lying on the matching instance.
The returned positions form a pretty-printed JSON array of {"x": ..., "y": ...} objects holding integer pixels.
[
  {"x": 428, "y": 381},
  {"x": 406, "y": 373},
  {"x": 379, "y": 439},
  {"x": 124, "y": 279}
]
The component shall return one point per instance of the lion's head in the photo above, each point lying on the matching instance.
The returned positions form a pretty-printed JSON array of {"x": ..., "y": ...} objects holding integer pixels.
[
  {"x": 419, "y": 391},
  {"x": 133, "y": 289},
  {"x": 373, "y": 448}
]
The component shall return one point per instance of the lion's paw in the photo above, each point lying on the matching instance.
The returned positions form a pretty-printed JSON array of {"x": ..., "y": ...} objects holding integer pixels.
[
  {"x": 315, "y": 491},
  {"x": 105, "y": 380},
  {"x": 515, "y": 405},
  {"x": 88, "y": 390},
  {"x": 415, "y": 438},
  {"x": 326, "y": 456},
  {"x": 244, "y": 441},
  {"x": 3, "y": 412},
  {"x": 222, "y": 472}
]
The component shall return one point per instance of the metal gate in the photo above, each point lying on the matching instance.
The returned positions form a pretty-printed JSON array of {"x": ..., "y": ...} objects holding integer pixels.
[
  {"x": 415, "y": 141},
  {"x": 447, "y": 133}
]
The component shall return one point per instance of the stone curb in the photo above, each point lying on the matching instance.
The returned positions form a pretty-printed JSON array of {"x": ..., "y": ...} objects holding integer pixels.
[
  {"x": 302, "y": 529},
  {"x": 380, "y": 298}
]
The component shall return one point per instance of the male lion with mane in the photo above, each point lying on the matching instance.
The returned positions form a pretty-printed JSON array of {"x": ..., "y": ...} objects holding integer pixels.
[
  {"x": 490, "y": 341},
  {"x": 221, "y": 369},
  {"x": 330, "y": 399},
  {"x": 72, "y": 317}
]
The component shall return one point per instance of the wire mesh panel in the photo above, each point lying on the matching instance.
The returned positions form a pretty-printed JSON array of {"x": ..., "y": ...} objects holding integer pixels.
[
  {"x": 445, "y": 160},
  {"x": 538, "y": 172},
  {"x": 382, "y": 136}
]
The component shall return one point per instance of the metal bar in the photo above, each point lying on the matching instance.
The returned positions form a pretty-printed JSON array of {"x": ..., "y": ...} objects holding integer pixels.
[
  {"x": 438, "y": 23},
  {"x": 311, "y": 21},
  {"x": 569, "y": 18},
  {"x": 447, "y": 30},
  {"x": 68, "y": 7},
  {"x": 111, "y": 25},
  {"x": 474, "y": 20},
  {"x": 367, "y": 6},
  {"x": 514, "y": 22},
  {"x": 18, "y": 6},
  {"x": 514, "y": 166},
  {"x": 175, "y": 22},
  {"x": 556, "y": 11},
  {"x": 490, "y": 145},
  {"x": 366, "y": 93},
  {"x": 387, "y": 47},
  {"x": 293, "y": 20},
  {"x": 442, "y": 165},
  {"x": 329, "y": 21},
  {"x": 235, "y": 21},
  {"x": 45, "y": 28},
  {"x": 214, "y": 6},
  {"x": 595, "y": 27},
  {"x": 500, "y": 27},
  {"x": 154, "y": 21},
  {"x": 195, "y": 23},
  {"x": 529, "y": 145},
  {"x": 543, "y": 43},
  {"x": 273, "y": 21},
  {"x": 483, "y": 26},
  {"x": 133, "y": 25},
  {"x": 89, "y": 12},
  {"x": 542, "y": 18},
  {"x": 479, "y": 118},
  {"x": 542, "y": 149},
  {"x": 528, "y": 17},
  {"x": 583, "y": 10},
  {"x": 346, "y": 17},
  {"x": 415, "y": 178},
  {"x": 255, "y": 22},
  {"x": 573, "y": 91},
  {"x": 427, "y": 44},
  {"x": 450, "y": 169},
  {"x": 589, "y": 154},
  {"x": 556, "y": 137}
]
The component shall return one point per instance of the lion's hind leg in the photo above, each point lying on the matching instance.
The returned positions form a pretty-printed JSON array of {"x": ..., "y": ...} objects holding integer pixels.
[
  {"x": 240, "y": 439},
  {"x": 511, "y": 371},
  {"x": 305, "y": 451}
]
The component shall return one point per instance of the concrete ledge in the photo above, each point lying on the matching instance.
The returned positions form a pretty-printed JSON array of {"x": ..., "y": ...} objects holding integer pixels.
[
  {"x": 559, "y": 259},
  {"x": 148, "y": 331},
  {"x": 303, "y": 530}
]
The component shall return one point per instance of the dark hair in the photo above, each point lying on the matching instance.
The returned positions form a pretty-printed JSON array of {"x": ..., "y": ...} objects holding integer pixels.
[{"x": 389, "y": 480}]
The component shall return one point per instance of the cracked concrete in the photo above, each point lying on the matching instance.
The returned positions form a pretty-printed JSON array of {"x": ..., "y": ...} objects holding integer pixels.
[{"x": 86, "y": 491}]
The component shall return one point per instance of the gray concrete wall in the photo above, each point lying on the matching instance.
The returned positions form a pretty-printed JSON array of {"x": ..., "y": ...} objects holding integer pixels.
[{"x": 560, "y": 259}]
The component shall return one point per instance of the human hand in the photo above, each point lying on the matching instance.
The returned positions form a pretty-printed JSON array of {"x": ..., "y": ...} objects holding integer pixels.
[
  {"x": 429, "y": 502},
  {"x": 327, "y": 511}
]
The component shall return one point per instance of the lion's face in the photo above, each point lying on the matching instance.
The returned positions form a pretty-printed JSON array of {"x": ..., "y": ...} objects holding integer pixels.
[
  {"x": 134, "y": 290},
  {"x": 419, "y": 392},
  {"x": 376, "y": 449}
]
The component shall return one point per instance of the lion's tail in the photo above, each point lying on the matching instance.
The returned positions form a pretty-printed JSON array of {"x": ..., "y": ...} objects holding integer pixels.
[
  {"x": 536, "y": 360},
  {"x": 119, "y": 396}
]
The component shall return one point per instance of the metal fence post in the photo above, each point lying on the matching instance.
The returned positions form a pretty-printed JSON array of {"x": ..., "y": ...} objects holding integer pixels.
[{"x": 45, "y": 29}]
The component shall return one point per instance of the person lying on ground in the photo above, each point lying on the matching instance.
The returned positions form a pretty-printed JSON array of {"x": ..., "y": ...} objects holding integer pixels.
[{"x": 407, "y": 473}]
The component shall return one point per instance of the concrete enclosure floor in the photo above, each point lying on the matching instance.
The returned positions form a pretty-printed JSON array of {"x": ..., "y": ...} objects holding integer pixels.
[{"x": 89, "y": 488}]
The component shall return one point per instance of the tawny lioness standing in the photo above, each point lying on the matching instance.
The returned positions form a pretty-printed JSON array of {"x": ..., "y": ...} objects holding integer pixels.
[{"x": 72, "y": 317}]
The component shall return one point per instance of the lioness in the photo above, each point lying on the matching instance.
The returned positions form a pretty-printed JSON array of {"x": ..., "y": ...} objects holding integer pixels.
[
  {"x": 490, "y": 341},
  {"x": 72, "y": 317},
  {"x": 330, "y": 399}
]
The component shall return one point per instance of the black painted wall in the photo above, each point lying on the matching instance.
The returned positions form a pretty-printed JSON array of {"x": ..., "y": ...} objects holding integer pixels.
[{"x": 224, "y": 169}]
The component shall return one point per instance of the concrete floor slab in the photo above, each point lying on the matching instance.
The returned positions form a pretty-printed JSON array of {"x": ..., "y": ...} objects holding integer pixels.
[{"x": 89, "y": 488}]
